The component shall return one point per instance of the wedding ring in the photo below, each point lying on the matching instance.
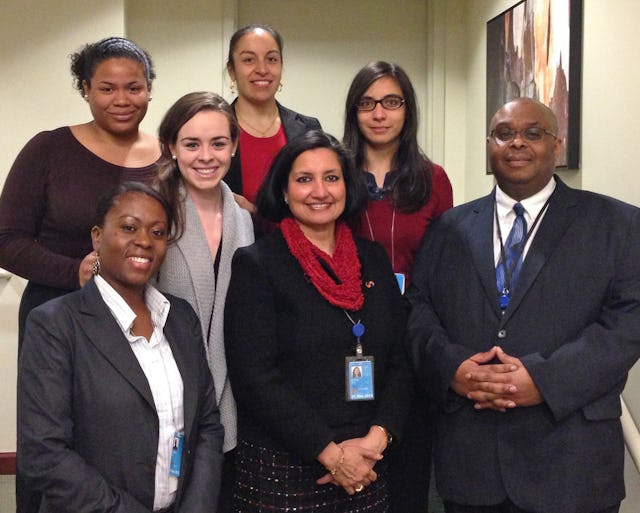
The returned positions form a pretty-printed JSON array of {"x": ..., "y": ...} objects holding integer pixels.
[{"x": 359, "y": 488}]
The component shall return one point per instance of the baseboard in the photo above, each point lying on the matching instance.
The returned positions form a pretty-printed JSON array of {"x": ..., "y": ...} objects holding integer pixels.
[{"x": 7, "y": 463}]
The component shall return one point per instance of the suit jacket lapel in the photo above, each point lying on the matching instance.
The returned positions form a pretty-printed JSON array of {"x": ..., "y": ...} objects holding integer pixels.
[
  {"x": 105, "y": 334},
  {"x": 176, "y": 335},
  {"x": 481, "y": 247},
  {"x": 559, "y": 216},
  {"x": 292, "y": 125}
]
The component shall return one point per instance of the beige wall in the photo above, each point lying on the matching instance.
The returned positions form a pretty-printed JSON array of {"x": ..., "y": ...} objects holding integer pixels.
[{"x": 441, "y": 44}]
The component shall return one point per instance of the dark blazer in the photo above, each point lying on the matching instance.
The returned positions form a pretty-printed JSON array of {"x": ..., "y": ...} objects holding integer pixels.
[
  {"x": 294, "y": 124},
  {"x": 87, "y": 425},
  {"x": 286, "y": 345},
  {"x": 573, "y": 320}
]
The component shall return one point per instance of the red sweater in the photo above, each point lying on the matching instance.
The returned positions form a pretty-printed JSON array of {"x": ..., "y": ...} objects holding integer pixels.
[{"x": 408, "y": 229}]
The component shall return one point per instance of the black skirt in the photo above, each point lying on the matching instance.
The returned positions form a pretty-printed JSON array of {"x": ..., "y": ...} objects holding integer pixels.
[{"x": 270, "y": 481}]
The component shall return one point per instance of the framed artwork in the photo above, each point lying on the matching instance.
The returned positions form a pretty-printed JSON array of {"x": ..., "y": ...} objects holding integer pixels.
[{"x": 534, "y": 49}]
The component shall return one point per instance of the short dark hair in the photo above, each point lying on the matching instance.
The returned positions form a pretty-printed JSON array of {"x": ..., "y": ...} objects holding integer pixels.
[
  {"x": 412, "y": 188},
  {"x": 109, "y": 199},
  {"x": 169, "y": 176},
  {"x": 84, "y": 62},
  {"x": 270, "y": 201},
  {"x": 238, "y": 34}
]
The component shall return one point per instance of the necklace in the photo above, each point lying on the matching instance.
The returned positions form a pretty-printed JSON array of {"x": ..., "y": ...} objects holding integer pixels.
[
  {"x": 257, "y": 130},
  {"x": 393, "y": 226},
  {"x": 336, "y": 278}
]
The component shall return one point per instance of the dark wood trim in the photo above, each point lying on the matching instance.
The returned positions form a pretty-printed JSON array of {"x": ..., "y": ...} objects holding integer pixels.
[{"x": 7, "y": 463}]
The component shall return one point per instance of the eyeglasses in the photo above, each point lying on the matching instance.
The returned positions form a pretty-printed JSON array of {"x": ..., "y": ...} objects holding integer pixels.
[
  {"x": 532, "y": 134},
  {"x": 389, "y": 102}
]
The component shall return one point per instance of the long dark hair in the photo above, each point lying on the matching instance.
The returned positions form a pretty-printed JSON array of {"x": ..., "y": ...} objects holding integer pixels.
[
  {"x": 169, "y": 176},
  {"x": 270, "y": 201},
  {"x": 412, "y": 187}
]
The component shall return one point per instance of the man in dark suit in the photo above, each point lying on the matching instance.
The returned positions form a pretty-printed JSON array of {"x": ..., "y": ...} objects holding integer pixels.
[{"x": 527, "y": 367}]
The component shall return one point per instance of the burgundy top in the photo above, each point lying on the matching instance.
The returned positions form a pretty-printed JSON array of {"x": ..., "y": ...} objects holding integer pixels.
[
  {"x": 48, "y": 206},
  {"x": 256, "y": 157},
  {"x": 384, "y": 224}
]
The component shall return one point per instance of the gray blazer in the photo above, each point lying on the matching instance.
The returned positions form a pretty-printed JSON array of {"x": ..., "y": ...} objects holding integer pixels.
[
  {"x": 187, "y": 272},
  {"x": 87, "y": 422}
]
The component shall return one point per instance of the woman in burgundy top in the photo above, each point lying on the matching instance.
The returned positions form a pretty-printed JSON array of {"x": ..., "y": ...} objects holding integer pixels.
[
  {"x": 49, "y": 197},
  {"x": 406, "y": 192},
  {"x": 255, "y": 67},
  {"x": 48, "y": 200}
]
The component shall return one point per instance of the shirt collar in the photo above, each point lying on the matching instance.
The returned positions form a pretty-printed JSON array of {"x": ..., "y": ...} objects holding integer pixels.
[
  {"x": 157, "y": 303},
  {"x": 378, "y": 193},
  {"x": 532, "y": 204}
]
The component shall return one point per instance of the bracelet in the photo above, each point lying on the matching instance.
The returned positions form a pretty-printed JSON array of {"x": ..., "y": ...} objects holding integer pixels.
[
  {"x": 386, "y": 433},
  {"x": 335, "y": 469}
]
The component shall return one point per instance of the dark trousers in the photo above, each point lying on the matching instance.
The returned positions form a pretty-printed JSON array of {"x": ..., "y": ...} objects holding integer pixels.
[
  {"x": 410, "y": 462},
  {"x": 505, "y": 507},
  {"x": 225, "y": 501}
]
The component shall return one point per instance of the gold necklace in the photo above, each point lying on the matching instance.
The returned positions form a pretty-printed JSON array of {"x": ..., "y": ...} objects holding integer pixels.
[{"x": 261, "y": 132}]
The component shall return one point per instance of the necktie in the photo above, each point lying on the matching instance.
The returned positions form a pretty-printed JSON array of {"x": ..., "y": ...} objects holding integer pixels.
[{"x": 513, "y": 255}]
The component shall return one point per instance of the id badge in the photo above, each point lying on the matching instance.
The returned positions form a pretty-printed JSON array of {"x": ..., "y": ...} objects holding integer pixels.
[
  {"x": 359, "y": 378},
  {"x": 176, "y": 454},
  {"x": 401, "y": 279}
]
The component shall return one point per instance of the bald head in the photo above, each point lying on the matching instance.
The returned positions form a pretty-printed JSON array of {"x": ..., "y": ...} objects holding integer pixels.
[
  {"x": 523, "y": 165},
  {"x": 545, "y": 112}
]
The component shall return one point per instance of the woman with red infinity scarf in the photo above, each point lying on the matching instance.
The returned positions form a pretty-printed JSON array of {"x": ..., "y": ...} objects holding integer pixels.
[{"x": 306, "y": 305}]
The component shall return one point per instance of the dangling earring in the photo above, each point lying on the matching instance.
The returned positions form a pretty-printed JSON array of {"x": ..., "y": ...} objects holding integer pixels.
[
  {"x": 286, "y": 200},
  {"x": 232, "y": 87},
  {"x": 280, "y": 87},
  {"x": 95, "y": 267}
]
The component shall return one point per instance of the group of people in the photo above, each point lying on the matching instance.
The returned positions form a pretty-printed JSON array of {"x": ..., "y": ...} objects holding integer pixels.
[{"x": 258, "y": 317}]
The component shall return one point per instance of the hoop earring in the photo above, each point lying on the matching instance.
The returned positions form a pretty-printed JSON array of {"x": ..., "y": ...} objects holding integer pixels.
[{"x": 95, "y": 266}]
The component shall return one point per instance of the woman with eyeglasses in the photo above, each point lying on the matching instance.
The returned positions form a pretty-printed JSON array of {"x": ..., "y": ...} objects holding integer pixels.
[{"x": 406, "y": 192}]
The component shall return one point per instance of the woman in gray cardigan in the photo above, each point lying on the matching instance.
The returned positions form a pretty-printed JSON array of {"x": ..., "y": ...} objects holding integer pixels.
[{"x": 199, "y": 136}]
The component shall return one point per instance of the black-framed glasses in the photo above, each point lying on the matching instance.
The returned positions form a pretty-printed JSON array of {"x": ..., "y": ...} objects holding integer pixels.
[
  {"x": 532, "y": 134},
  {"x": 389, "y": 102}
]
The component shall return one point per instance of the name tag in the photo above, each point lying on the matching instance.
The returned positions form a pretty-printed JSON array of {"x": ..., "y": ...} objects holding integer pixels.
[
  {"x": 176, "y": 454},
  {"x": 359, "y": 378}
]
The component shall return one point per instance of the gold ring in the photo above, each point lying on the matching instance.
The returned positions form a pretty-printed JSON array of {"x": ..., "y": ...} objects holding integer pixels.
[{"x": 359, "y": 488}]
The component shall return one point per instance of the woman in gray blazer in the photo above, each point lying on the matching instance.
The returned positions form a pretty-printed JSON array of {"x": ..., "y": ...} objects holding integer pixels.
[
  {"x": 199, "y": 135},
  {"x": 116, "y": 408}
]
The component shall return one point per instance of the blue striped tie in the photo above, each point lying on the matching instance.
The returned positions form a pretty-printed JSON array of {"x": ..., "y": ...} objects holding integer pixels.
[{"x": 512, "y": 251}]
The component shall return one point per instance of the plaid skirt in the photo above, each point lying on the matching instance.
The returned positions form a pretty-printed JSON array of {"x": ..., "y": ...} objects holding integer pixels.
[{"x": 271, "y": 481}]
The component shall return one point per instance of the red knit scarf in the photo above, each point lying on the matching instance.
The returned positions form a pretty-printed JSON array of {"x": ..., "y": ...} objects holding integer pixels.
[{"x": 344, "y": 263}]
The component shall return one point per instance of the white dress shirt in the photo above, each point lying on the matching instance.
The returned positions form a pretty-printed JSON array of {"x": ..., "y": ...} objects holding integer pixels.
[
  {"x": 506, "y": 215},
  {"x": 159, "y": 366}
]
